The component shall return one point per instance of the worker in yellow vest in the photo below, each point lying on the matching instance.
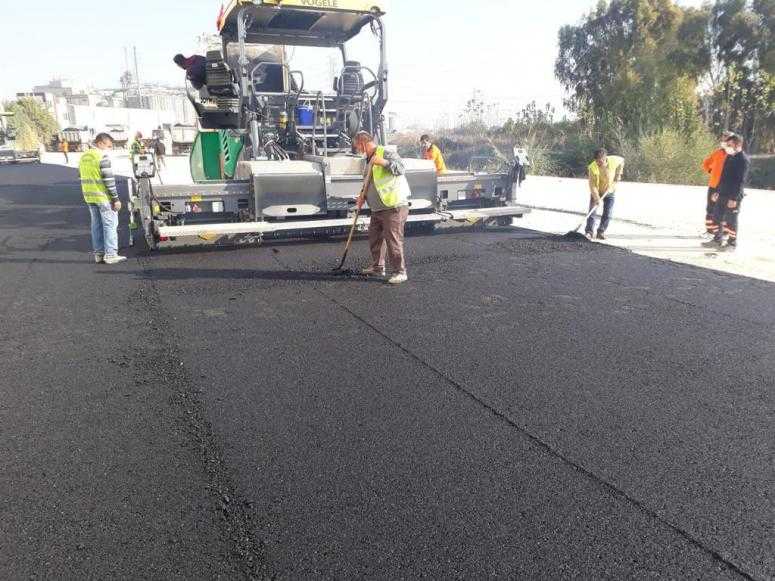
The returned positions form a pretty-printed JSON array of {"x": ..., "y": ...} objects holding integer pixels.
[
  {"x": 98, "y": 185},
  {"x": 388, "y": 198},
  {"x": 64, "y": 147},
  {"x": 605, "y": 173},
  {"x": 432, "y": 152},
  {"x": 137, "y": 146}
]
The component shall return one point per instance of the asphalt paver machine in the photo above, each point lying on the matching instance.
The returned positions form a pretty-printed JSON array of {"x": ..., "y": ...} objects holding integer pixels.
[{"x": 275, "y": 158}]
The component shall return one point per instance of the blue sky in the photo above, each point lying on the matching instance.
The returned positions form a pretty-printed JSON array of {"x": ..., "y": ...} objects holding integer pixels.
[{"x": 440, "y": 52}]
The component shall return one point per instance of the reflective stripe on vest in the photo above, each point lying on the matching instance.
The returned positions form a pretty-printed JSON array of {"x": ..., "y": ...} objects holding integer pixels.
[
  {"x": 92, "y": 186},
  {"x": 388, "y": 186}
]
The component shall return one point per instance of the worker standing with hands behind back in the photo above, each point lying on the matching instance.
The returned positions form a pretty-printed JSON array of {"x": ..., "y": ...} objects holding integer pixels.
[
  {"x": 605, "y": 173},
  {"x": 714, "y": 165},
  {"x": 388, "y": 198},
  {"x": 101, "y": 196},
  {"x": 731, "y": 191}
]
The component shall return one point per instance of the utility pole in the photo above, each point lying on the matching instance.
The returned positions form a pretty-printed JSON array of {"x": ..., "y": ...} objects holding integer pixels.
[
  {"x": 137, "y": 72},
  {"x": 126, "y": 77}
]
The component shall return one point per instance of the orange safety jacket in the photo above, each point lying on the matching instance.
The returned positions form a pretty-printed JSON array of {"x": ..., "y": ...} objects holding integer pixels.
[
  {"x": 714, "y": 165},
  {"x": 434, "y": 154}
]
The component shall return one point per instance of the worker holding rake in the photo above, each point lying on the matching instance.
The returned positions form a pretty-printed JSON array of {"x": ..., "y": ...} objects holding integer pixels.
[
  {"x": 388, "y": 198},
  {"x": 605, "y": 173}
]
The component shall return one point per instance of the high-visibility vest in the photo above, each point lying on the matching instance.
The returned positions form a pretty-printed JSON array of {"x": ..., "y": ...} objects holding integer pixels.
[
  {"x": 393, "y": 190},
  {"x": 714, "y": 165},
  {"x": 614, "y": 163},
  {"x": 434, "y": 154},
  {"x": 92, "y": 186}
]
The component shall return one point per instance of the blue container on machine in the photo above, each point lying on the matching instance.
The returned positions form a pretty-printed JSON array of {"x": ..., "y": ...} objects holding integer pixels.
[{"x": 305, "y": 115}]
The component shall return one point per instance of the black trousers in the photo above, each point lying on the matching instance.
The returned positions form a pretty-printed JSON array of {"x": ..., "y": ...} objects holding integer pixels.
[
  {"x": 726, "y": 218},
  {"x": 710, "y": 209}
]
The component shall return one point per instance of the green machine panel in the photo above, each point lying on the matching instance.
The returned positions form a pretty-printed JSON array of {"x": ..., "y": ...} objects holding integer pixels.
[{"x": 214, "y": 156}]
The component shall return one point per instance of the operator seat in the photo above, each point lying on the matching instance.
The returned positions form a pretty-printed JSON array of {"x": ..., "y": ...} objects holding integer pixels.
[
  {"x": 219, "y": 104},
  {"x": 350, "y": 92},
  {"x": 220, "y": 81},
  {"x": 350, "y": 85}
]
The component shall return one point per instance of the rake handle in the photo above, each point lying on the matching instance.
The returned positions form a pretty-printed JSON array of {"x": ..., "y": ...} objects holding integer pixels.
[
  {"x": 592, "y": 211},
  {"x": 364, "y": 189}
]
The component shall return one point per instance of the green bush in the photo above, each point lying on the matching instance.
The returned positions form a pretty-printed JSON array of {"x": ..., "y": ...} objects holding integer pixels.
[
  {"x": 542, "y": 161},
  {"x": 668, "y": 157},
  {"x": 763, "y": 172},
  {"x": 572, "y": 156}
]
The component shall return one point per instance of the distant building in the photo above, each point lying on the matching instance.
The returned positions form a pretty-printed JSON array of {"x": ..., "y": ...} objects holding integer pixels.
[
  {"x": 85, "y": 99},
  {"x": 143, "y": 109},
  {"x": 57, "y": 87},
  {"x": 4, "y": 116},
  {"x": 162, "y": 99}
]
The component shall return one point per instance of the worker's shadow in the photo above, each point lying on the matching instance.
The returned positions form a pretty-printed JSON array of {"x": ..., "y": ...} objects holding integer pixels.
[{"x": 179, "y": 274}]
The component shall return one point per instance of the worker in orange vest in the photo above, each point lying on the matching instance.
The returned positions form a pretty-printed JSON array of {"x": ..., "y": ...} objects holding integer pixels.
[
  {"x": 714, "y": 165},
  {"x": 64, "y": 147},
  {"x": 730, "y": 194},
  {"x": 432, "y": 152}
]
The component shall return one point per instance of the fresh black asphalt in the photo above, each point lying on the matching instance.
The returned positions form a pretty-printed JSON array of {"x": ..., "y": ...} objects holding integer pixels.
[{"x": 525, "y": 407}]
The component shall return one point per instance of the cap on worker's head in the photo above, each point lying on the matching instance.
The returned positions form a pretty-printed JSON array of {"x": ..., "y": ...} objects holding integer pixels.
[
  {"x": 103, "y": 138},
  {"x": 734, "y": 139},
  {"x": 179, "y": 59},
  {"x": 600, "y": 153},
  {"x": 425, "y": 138}
]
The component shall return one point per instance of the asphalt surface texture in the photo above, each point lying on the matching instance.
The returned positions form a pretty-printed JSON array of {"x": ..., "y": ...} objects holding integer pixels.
[{"x": 524, "y": 407}]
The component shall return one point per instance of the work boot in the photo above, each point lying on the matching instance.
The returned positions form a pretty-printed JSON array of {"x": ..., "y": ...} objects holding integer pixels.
[
  {"x": 374, "y": 271},
  {"x": 600, "y": 235},
  {"x": 114, "y": 259},
  {"x": 731, "y": 244},
  {"x": 398, "y": 278},
  {"x": 589, "y": 235},
  {"x": 715, "y": 243},
  {"x": 99, "y": 258}
]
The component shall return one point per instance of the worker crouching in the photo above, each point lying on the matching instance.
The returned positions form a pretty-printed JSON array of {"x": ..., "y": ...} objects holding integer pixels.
[{"x": 388, "y": 198}]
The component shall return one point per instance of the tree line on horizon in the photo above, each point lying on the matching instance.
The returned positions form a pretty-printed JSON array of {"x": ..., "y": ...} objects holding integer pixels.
[{"x": 636, "y": 67}]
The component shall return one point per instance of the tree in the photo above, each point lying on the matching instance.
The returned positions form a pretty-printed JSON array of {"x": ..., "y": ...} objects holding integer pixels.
[
  {"x": 535, "y": 129},
  {"x": 765, "y": 9},
  {"x": 742, "y": 72},
  {"x": 32, "y": 122},
  {"x": 629, "y": 70},
  {"x": 26, "y": 139},
  {"x": 473, "y": 118}
]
